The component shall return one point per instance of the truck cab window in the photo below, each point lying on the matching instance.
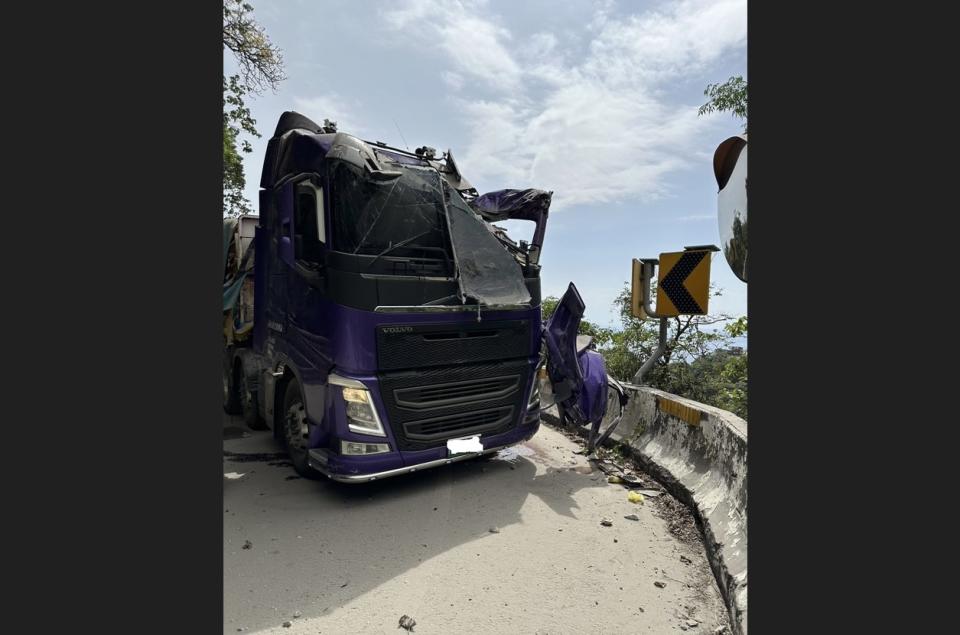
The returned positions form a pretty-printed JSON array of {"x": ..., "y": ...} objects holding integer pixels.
[{"x": 309, "y": 226}]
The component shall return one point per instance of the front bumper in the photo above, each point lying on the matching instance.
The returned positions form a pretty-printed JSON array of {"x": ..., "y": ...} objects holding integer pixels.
[{"x": 408, "y": 462}]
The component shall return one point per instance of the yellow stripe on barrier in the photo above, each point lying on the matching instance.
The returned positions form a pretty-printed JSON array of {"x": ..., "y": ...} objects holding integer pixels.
[{"x": 680, "y": 411}]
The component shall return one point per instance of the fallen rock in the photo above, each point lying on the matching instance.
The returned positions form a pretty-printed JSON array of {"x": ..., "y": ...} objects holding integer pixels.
[
  {"x": 494, "y": 530},
  {"x": 632, "y": 517},
  {"x": 287, "y": 624},
  {"x": 606, "y": 522},
  {"x": 692, "y": 623},
  {"x": 297, "y": 614},
  {"x": 407, "y": 623},
  {"x": 659, "y": 584},
  {"x": 247, "y": 544},
  {"x": 685, "y": 560}
]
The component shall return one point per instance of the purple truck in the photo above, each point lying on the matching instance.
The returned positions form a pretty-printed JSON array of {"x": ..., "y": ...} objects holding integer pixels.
[{"x": 378, "y": 322}]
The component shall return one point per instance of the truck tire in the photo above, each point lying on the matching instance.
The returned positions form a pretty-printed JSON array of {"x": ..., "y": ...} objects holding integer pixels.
[
  {"x": 294, "y": 424},
  {"x": 231, "y": 398},
  {"x": 250, "y": 405}
]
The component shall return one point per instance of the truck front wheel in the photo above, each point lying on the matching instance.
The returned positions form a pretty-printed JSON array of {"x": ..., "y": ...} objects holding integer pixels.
[{"x": 295, "y": 430}]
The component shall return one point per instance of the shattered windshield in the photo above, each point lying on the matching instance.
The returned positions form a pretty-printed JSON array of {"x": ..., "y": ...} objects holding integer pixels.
[
  {"x": 402, "y": 215},
  {"x": 418, "y": 215},
  {"x": 487, "y": 272}
]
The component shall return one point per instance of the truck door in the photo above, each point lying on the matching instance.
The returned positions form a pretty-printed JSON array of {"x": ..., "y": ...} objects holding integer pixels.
[
  {"x": 281, "y": 258},
  {"x": 560, "y": 338},
  {"x": 578, "y": 375}
]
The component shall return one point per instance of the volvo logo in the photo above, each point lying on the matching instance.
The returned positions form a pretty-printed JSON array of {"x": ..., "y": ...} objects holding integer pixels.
[{"x": 398, "y": 329}]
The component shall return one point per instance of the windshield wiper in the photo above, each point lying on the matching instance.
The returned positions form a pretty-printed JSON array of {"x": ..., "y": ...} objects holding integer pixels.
[{"x": 405, "y": 241}]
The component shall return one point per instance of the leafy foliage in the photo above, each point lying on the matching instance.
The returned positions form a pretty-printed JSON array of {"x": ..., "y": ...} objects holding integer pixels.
[
  {"x": 730, "y": 96},
  {"x": 261, "y": 67}
]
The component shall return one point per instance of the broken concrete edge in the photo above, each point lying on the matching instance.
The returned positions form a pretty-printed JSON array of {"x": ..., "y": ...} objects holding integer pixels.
[{"x": 699, "y": 454}]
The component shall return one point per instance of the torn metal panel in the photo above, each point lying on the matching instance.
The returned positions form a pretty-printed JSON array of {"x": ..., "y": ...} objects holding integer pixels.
[
  {"x": 512, "y": 204},
  {"x": 530, "y": 205}
]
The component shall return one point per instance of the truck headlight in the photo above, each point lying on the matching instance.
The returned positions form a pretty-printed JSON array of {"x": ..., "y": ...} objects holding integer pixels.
[
  {"x": 354, "y": 448},
  {"x": 361, "y": 413}
]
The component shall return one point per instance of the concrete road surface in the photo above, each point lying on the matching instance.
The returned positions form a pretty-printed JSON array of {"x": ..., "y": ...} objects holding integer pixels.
[{"x": 511, "y": 545}]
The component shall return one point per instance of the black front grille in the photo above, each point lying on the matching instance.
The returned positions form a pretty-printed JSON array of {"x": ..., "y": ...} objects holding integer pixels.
[
  {"x": 427, "y": 407},
  {"x": 461, "y": 392},
  {"x": 424, "y": 345},
  {"x": 443, "y": 428}
]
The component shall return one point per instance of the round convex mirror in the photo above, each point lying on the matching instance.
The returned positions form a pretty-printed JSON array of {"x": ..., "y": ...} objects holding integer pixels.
[{"x": 730, "y": 163}]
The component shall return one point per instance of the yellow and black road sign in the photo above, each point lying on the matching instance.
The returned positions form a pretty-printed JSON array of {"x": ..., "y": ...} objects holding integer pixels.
[
  {"x": 683, "y": 283},
  {"x": 636, "y": 301}
]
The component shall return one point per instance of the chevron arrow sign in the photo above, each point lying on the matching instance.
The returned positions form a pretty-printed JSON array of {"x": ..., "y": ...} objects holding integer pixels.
[{"x": 683, "y": 283}]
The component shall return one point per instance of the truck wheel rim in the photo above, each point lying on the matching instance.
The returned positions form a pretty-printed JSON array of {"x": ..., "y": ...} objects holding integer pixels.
[{"x": 297, "y": 428}]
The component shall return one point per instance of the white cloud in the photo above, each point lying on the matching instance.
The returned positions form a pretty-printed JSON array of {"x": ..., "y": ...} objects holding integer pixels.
[
  {"x": 330, "y": 107},
  {"x": 474, "y": 45},
  {"x": 453, "y": 80},
  {"x": 599, "y": 129}
]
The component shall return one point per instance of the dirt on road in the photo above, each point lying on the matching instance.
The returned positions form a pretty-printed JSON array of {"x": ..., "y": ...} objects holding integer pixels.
[{"x": 510, "y": 545}]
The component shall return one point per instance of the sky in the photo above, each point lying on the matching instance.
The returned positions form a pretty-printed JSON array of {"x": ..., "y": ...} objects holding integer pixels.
[{"x": 595, "y": 100}]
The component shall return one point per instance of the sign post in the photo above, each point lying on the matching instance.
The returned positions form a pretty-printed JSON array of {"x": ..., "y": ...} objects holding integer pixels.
[{"x": 683, "y": 288}]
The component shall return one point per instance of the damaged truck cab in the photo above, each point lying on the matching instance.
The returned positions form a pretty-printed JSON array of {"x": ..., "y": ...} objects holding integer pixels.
[{"x": 378, "y": 322}]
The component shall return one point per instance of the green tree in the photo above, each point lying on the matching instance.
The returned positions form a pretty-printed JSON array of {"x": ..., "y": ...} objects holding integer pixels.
[
  {"x": 687, "y": 338},
  {"x": 730, "y": 96},
  {"x": 260, "y": 63}
]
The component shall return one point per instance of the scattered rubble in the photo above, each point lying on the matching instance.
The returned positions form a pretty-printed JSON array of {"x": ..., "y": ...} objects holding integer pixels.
[{"x": 247, "y": 544}]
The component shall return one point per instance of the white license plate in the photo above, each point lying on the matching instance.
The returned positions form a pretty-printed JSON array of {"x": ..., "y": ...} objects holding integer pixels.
[{"x": 467, "y": 445}]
